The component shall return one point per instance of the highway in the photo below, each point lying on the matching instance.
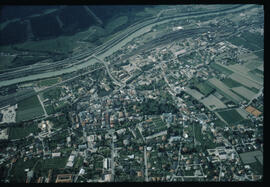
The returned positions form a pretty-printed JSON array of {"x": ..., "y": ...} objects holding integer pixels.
[{"x": 108, "y": 47}]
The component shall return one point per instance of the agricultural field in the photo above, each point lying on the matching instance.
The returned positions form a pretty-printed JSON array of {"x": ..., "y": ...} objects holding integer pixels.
[
  {"x": 52, "y": 94},
  {"x": 48, "y": 82},
  {"x": 261, "y": 67},
  {"x": 242, "y": 112},
  {"x": 5, "y": 61},
  {"x": 257, "y": 72},
  {"x": 244, "y": 81},
  {"x": 114, "y": 24},
  {"x": 18, "y": 169},
  {"x": 260, "y": 54},
  {"x": 231, "y": 83},
  {"x": 251, "y": 41},
  {"x": 224, "y": 90},
  {"x": 238, "y": 68},
  {"x": 243, "y": 75},
  {"x": 231, "y": 116},
  {"x": 204, "y": 88},
  {"x": 194, "y": 93},
  {"x": 257, "y": 167},
  {"x": 244, "y": 71},
  {"x": 58, "y": 162},
  {"x": 221, "y": 69},
  {"x": 29, "y": 109},
  {"x": 22, "y": 132},
  {"x": 219, "y": 123},
  {"x": 212, "y": 103},
  {"x": 247, "y": 94},
  {"x": 256, "y": 76},
  {"x": 251, "y": 157},
  {"x": 252, "y": 62}
]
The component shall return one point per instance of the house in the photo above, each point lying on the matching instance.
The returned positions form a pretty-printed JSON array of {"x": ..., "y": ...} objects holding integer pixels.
[
  {"x": 64, "y": 178},
  {"x": 56, "y": 154}
]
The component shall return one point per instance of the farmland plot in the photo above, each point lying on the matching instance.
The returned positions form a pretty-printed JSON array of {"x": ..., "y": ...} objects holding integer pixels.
[
  {"x": 29, "y": 109},
  {"x": 238, "y": 68},
  {"x": 194, "y": 93},
  {"x": 260, "y": 67},
  {"x": 243, "y": 71},
  {"x": 253, "y": 64},
  {"x": 232, "y": 117},
  {"x": 250, "y": 157},
  {"x": 212, "y": 103},
  {"x": 224, "y": 89},
  {"x": 256, "y": 76},
  {"x": 244, "y": 81},
  {"x": 242, "y": 112},
  {"x": 244, "y": 92}
]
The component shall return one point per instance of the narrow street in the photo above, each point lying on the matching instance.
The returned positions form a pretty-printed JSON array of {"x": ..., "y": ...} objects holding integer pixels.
[
  {"x": 43, "y": 107},
  {"x": 145, "y": 165}
]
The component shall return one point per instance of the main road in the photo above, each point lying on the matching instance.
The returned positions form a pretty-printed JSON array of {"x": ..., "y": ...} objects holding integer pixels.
[{"x": 84, "y": 59}]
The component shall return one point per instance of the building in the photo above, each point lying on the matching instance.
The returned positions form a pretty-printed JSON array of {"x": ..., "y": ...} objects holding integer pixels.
[
  {"x": 107, "y": 163},
  {"x": 56, "y": 154},
  {"x": 70, "y": 161},
  {"x": 30, "y": 175},
  {"x": 64, "y": 178},
  {"x": 107, "y": 177}
]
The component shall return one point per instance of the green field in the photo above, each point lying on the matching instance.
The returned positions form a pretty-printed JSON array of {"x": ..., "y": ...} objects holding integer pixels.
[
  {"x": 52, "y": 94},
  {"x": 258, "y": 72},
  {"x": 251, "y": 41},
  {"x": 5, "y": 61},
  {"x": 58, "y": 162},
  {"x": 231, "y": 83},
  {"x": 41, "y": 167},
  {"x": 21, "y": 132},
  {"x": 206, "y": 140},
  {"x": 78, "y": 162},
  {"x": 219, "y": 123},
  {"x": 257, "y": 167},
  {"x": 204, "y": 88},
  {"x": 239, "y": 95},
  {"x": 221, "y": 69},
  {"x": 260, "y": 54},
  {"x": 17, "y": 172},
  {"x": 114, "y": 24},
  {"x": 28, "y": 109},
  {"x": 231, "y": 116},
  {"x": 48, "y": 82}
]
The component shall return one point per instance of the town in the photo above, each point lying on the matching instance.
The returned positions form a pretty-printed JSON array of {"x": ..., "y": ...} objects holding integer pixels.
[{"x": 181, "y": 102}]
